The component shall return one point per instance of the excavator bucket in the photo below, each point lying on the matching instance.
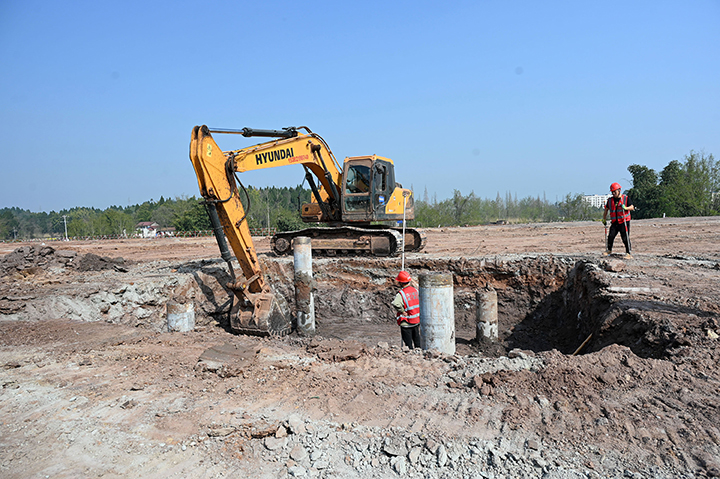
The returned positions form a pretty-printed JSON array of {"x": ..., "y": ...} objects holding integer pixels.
[{"x": 265, "y": 314}]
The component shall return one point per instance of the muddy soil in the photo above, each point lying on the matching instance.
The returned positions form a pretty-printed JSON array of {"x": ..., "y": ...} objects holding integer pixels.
[{"x": 604, "y": 366}]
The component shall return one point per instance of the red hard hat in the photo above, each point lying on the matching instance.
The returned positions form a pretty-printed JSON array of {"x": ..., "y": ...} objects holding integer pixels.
[
  {"x": 615, "y": 186},
  {"x": 403, "y": 277}
]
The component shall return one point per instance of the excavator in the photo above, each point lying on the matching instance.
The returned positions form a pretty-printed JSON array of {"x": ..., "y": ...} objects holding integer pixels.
[{"x": 356, "y": 201}]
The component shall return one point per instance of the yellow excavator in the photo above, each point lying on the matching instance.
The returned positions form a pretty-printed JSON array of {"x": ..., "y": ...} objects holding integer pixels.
[{"x": 353, "y": 200}]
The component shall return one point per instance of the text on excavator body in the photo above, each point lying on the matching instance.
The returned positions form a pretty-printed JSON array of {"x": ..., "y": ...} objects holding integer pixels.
[{"x": 277, "y": 155}]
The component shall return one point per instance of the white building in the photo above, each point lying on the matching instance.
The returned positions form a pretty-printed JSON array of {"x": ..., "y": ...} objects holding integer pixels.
[
  {"x": 598, "y": 201},
  {"x": 147, "y": 229}
]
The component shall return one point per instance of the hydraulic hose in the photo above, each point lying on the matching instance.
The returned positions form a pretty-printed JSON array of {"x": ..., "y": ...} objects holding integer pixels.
[{"x": 220, "y": 236}]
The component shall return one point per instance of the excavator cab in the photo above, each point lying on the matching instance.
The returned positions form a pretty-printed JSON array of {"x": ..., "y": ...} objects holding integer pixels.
[
  {"x": 367, "y": 193},
  {"x": 370, "y": 193},
  {"x": 356, "y": 196}
]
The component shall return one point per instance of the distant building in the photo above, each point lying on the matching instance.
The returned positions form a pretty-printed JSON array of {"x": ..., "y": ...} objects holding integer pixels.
[
  {"x": 147, "y": 229},
  {"x": 167, "y": 231},
  {"x": 598, "y": 201}
]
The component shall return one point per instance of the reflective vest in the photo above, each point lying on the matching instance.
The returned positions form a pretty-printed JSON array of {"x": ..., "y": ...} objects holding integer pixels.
[
  {"x": 617, "y": 214},
  {"x": 411, "y": 303}
]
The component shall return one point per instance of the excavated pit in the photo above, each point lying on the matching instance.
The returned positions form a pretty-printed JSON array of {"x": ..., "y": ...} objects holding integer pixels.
[{"x": 545, "y": 302}]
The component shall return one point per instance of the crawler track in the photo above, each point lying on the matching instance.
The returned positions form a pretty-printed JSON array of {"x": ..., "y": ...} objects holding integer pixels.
[{"x": 352, "y": 241}]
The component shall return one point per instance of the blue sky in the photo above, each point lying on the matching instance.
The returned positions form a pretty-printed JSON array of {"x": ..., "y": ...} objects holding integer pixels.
[{"x": 532, "y": 98}]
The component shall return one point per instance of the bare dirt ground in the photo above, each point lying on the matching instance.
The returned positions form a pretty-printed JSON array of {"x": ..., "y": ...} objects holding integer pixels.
[{"x": 93, "y": 385}]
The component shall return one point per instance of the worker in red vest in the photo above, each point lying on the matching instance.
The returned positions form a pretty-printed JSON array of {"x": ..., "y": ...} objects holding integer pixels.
[
  {"x": 407, "y": 307},
  {"x": 619, "y": 206}
]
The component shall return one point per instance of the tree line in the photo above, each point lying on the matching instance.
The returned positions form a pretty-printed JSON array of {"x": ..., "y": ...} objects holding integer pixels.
[
  {"x": 277, "y": 208},
  {"x": 472, "y": 210},
  {"x": 690, "y": 187},
  {"x": 267, "y": 207}
]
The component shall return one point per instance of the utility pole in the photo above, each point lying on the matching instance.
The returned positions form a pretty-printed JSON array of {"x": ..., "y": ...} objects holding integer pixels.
[
  {"x": 267, "y": 200},
  {"x": 65, "y": 221},
  {"x": 405, "y": 195}
]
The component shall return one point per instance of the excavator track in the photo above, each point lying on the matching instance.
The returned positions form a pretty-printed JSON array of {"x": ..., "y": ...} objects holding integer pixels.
[
  {"x": 352, "y": 241},
  {"x": 414, "y": 240}
]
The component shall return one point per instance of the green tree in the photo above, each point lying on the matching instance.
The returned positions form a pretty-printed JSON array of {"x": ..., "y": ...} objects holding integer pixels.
[
  {"x": 8, "y": 225},
  {"x": 118, "y": 222},
  {"x": 289, "y": 221},
  {"x": 645, "y": 193},
  {"x": 683, "y": 188},
  {"x": 165, "y": 214},
  {"x": 692, "y": 185},
  {"x": 460, "y": 207},
  {"x": 498, "y": 208},
  {"x": 575, "y": 208},
  {"x": 672, "y": 189},
  {"x": 85, "y": 222},
  {"x": 144, "y": 212},
  {"x": 193, "y": 218}
]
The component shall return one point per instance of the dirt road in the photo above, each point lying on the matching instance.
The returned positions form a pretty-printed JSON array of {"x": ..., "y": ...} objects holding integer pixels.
[{"x": 92, "y": 384}]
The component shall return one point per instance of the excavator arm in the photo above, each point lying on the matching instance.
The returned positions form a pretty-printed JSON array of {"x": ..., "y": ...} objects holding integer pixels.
[
  {"x": 256, "y": 308},
  {"x": 222, "y": 199}
]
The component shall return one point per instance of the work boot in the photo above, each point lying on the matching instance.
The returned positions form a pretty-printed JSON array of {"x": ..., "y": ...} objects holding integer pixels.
[
  {"x": 607, "y": 253},
  {"x": 628, "y": 256}
]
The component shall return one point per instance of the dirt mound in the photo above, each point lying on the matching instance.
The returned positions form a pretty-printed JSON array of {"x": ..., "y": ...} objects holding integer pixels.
[
  {"x": 93, "y": 262},
  {"x": 33, "y": 259}
]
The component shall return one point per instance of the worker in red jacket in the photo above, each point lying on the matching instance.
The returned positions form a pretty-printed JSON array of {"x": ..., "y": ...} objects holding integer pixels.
[
  {"x": 407, "y": 307},
  {"x": 619, "y": 206}
]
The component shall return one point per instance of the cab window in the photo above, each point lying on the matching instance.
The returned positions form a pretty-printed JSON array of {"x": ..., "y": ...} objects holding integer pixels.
[{"x": 358, "y": 180}]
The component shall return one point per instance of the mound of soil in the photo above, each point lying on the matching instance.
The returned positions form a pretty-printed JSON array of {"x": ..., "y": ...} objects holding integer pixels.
[{"x": 33, "y": 259}]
